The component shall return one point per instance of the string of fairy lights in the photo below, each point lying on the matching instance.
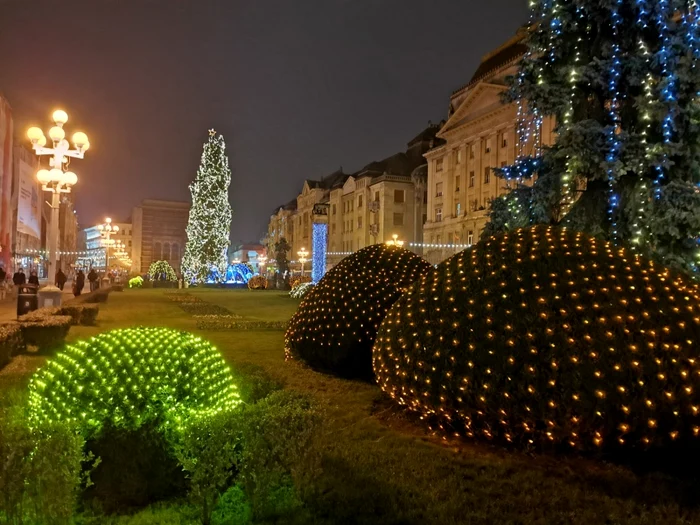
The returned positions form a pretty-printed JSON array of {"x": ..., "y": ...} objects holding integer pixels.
[{"x": 614, "y": 117}]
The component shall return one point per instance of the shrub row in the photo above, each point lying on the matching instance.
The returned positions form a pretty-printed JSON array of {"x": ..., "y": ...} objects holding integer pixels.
[
  {"x": 11, "y": 342},
  {"x": 80, "y": 314},
  {"x": 98, "y": 296},
  {"x": 223, "y": 322}
]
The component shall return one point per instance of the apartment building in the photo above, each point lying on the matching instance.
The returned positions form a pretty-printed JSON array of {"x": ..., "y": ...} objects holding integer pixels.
[{"x": 479, "y": 135}]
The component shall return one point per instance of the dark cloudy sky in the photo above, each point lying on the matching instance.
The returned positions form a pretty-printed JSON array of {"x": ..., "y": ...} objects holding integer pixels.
[{"x": 297, "y": 87}]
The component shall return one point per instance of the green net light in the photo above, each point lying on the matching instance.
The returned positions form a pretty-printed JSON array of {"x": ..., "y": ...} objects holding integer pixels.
[
  {"x": 128, "y": 377},
  {"x": 550, "y": 337}
]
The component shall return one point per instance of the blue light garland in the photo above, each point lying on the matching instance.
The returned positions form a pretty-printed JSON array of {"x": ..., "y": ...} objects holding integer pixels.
[
  {"x": 319, "y": 242},
  {"x": 613, "y": 142}
]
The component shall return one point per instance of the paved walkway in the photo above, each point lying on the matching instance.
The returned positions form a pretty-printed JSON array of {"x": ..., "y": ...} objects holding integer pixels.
[{"x": 8, "y": 306}]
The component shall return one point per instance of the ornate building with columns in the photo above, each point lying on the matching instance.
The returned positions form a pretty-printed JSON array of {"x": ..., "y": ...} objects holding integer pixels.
[{"x": 479, "y": 135}]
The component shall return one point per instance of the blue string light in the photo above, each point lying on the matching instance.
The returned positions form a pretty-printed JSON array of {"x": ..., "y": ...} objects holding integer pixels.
[
  {"x": 319, "y": 241},
  {"x": 613, "y": 142}
]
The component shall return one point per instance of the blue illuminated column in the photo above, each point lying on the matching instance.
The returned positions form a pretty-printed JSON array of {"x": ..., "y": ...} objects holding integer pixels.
[
  {"x": 319, "y": 241},
  {"x": 318, "y": 257}
]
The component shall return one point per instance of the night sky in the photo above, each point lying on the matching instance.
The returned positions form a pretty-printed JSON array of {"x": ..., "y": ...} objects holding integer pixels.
[{"x": 297, "y": 87}]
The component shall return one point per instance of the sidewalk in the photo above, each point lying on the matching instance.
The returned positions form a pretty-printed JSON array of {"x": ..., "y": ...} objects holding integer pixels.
[{"x": 8, "y": 307}]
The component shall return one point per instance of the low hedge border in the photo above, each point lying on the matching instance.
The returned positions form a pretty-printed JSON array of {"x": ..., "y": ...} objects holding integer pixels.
[
  {"x": 223, "y": 323},
  {"x": 47, "y": 334},
  {"x": 11, "y": 342},
  {"x": 80, "y": 314},
  {"x": 98, "y": 296}
]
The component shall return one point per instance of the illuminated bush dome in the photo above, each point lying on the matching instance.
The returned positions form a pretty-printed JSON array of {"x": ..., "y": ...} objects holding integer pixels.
[
  {"x": 336, "y": 323},
  {"x": 547, "y": 336},
  {"x": 129, "y": 377},
  {"x": 161, "y": 271},
  {"x": 259, "y": 282}
]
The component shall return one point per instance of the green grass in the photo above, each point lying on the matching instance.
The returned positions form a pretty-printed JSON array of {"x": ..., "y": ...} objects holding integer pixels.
[{"x": 380, "y": 467}]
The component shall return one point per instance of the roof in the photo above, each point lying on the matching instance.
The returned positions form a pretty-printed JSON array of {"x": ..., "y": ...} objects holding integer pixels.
[
  {"x": 397, "y": 164},
  {"x": 427, "y": 134},
  {"x": 511, "y": 50}
]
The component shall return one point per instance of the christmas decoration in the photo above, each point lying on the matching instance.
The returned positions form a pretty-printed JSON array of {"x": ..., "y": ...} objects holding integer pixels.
[
  {"x": 130, "y": 377},
  {"x": 257, "y": 282},
  {"x": 300, "y": 290},
  {"x": 336, "y": 323},
  {"x": 160, "y": 271},
  {"x": 136, "y": 282},
  {"x": 620, "y": 79},
  {"x": 320, "y": 246},
  {"x": 299, "y": 279},
  {"x": 547, "y": 336},
  {"x": 209, "y": 223}
]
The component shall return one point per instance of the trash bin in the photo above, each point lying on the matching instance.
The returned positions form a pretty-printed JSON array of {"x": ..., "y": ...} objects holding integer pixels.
[
  {"x": 50, "y": 296},
  {"x": 27, "y": 300}
]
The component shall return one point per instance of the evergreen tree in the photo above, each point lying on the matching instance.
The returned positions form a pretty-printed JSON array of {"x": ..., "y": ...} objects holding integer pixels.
[
  {"x": 281, "y": 249},
  {"x": 621, "y": 79},
  {"x": 209, "y": 224}
]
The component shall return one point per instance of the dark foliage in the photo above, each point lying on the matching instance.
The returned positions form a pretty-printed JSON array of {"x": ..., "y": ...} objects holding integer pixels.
[
  {"x": 335, "y": 325},
  {"x": 548, "y": 337}
]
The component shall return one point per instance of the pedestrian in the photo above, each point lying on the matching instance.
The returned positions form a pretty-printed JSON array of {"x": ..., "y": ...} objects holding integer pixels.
[
  {"x": 61, "y": 279},
  {"x": 3, "y": 283},
  {"x": 79, "y": 283},
  {"x": 92, "y": 277},
  {"x": 19, "y": 278},
  {"x": 34, "y": 278}
]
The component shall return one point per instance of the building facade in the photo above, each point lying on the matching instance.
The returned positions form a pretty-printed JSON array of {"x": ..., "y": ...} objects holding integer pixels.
[
  {"x": 479, "y": 135},
  {"x": 158, "y": 233}
]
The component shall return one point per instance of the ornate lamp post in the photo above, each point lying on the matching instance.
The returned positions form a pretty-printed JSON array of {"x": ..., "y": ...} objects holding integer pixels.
[
  {"x": 57, "y": 180},
  {"x": 107, "y": 230},
  {"x": 303, "y": 254},
  {"x": 394, "y": 241}
]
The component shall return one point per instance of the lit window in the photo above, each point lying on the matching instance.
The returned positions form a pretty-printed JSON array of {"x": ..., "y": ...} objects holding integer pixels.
[
  {"x": 470, "y": 237},
  {"x": 438, "y": 214},
  {"x": 487, "y": 175},
  {"x": 471, "y": 179},
  {"x": 458, "y": 209}
]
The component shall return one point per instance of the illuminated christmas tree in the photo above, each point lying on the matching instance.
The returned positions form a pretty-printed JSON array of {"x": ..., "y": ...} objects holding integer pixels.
[
  {"x": 621, "y": 79},
  {"x": 209, "y": 224}
]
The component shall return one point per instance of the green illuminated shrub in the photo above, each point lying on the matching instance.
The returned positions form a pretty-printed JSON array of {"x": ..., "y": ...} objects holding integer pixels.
[
  {"x": 161, "y": 271},
  {"x": 548, "y": 336},
  {"x": 136, "y": 282},
  {"x": 300, "y": 290},
  {"x": 335, "y": 325},
  {"x": 133, "y": 393},
  {"x": 130, "y": 376}
]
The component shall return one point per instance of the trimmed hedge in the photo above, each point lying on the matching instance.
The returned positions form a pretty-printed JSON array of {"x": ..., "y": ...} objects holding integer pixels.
[
  {"x": 81, "y": 314},
  {"x": 48, "y": 333},
  {"x": 11, "y": 342},
  {"x": 98, "y": 296},
  {"x": 549, "y": 337},
  {"x": 336, "y": 323},
  {"x": 258, "y": 282}
]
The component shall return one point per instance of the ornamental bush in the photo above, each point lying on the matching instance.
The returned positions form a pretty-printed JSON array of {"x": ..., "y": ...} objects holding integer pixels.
[
  {"x": 547, "y": 336},
  {"x": 298, "y": 280},
  {"x": 335, "y": 325},
  {"x": 132, "y": 394},
  {"x": 161, "y": 271},
  {"x": 300, "y": 290},
  {"x": 258, "y": 282}
]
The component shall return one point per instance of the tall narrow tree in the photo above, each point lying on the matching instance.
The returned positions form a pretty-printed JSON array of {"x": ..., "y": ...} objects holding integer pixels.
[
  {"x": 209, "y": 225},
  {"x": 621, "y": 79}
]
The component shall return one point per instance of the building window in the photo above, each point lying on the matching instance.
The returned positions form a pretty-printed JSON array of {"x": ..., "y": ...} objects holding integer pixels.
[
  {"x": 376, "y": 196},
  {"x": 504, "y": 140},
  {"x": 457, "y": 181},
  {"x": 471, "y": 179},
  {"x": 438, "y": 189},
  {"x": 398, "y": 219},
  {"x": 334, "y": 209},
  {"x": 333, "y": 227},
  {"x": 458, "y": 209},
  {"x": 359, "y": 201},
  {"x": 473, "y": 204},
  {"x": 425, "y": 218},
  {"x": 487, "y": 175},
  {"x": 359, "y": 223},
  {"x": 438, "y": 165},
  {"x": 488, "y": 146},
  {"x": 398, "y": 196},
  {"x": 438, "y": 214},
  {"x": 438, "y": 239},
  {"x": 472, "y": 151},
  {"x": 129, "y": 244},
  {"x": 470, "y": 237},
  {"x": 458, "y": 156}
]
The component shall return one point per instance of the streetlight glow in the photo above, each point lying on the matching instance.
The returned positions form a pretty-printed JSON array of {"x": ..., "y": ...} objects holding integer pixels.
[
  {"x": 303, "y": 254},
  {"x": 394, "y": 241}
]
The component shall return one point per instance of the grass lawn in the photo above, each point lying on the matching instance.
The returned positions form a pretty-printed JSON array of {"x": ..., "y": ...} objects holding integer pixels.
[{"x": 381, "y": 468}]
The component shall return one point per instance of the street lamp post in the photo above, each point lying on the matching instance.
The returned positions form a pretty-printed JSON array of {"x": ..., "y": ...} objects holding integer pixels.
[
  {"x": 303, "y": 254},
  {"x": 57, "y": 180},
  {"x": 394, "y": 241},
  {"x": 107, "y": 230}
]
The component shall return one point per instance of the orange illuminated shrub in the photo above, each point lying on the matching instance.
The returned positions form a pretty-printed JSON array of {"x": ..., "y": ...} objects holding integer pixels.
[
  {"x": 300, "y": 279},
  {"x": 547, "y": 336},
  {"x": 258, "y": 282},
  {"x": 336, "y": 323}
]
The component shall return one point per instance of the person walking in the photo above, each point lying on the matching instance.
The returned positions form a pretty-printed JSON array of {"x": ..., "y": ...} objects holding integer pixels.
[
  {"x": 92, "y": 277},
  {"x": 79, "y": 283},
  {"x": 61, "y": 279},
  {"x": 34, "y": 278},
  {"x": 3, "y": 283}
]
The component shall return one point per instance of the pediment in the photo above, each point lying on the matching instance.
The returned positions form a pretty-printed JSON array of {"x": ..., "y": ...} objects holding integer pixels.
[
  {"x": 349, "y": 185},
  {"x": 481, "y": 100}
]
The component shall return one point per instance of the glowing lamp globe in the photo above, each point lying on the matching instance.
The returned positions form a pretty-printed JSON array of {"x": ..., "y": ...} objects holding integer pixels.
[
  {"x": 56, "y": 175},
  {"x": 86, "y": 147},
  {"x": 80, "y": 139},
  {"x": 43, "y": 176},
  {"x": 115, "y": 228},
  {"x": 57, "y": 134},
  {"x": 70, "y": 178},
  {"x": 60, "y": 117},
  {"x": 34, "y": 134},
  {"x": 42, "y": 141}
]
